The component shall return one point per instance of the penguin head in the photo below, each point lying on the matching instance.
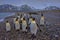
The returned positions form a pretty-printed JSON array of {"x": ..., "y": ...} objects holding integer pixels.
[
  {"x": 18, "y": 14},
  {"x": 6, "y": 21},
  {"x": 41, "y": 14},
  {"x": 29, "y": 13},
  {"x": 17, "y": 19},
  {"x": 23, "y": 18},
  {"x": 33, "y": 19},
  {"x": 30, "y": 18}
]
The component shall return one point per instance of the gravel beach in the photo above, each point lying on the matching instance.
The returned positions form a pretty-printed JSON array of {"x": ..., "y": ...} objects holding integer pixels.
[{"x": 51, "y": 31}]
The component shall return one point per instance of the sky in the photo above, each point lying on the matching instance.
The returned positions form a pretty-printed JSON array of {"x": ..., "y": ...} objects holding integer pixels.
[{"x": 38, "y": 4}]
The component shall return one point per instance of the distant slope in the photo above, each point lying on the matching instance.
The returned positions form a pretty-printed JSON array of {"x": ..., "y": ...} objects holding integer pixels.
[
  {"x": 25, "y": 8},
  {"x": 7, "y": 7},
  {"x": 52, "y": 8}
]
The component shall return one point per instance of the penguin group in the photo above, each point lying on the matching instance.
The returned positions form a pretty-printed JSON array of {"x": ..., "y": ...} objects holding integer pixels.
[{"x": 20, "y": 22}]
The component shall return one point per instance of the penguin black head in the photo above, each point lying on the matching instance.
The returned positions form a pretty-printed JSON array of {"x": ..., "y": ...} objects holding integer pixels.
[
  {"x": 6, "y": 21},
  {"x": 42, "y": 14},
  {"x": 30, "y": 17},
  {"x": 21, "y": 15},
  {"x": 23, "y": 18},
  {"x": 17, "y": 19},
  {"x": 18, "y": 14},
  {"x": 33, "y": 19},
  {"x": 29, "y": 13}
]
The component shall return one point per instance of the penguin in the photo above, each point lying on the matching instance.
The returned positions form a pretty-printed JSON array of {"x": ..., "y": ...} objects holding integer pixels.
[
  {"x": 29, "y": 22},
  {"x": 24, "y": 15},
  {"x": 8, "y": 26},
  {"x": 14, "y": 19},
  {"x": 21, "y": 21},
  {"x": 42, "y": 20},
  {"x": 30, "y": 15},
  {"x": 30, "y": 19},
  {"x": 21, "y": 18},
  {"x": 24, "y": 25},
  {"x": 18, "y": 17},
  {"x": 17, "y": 24},
  {"x": 33, "y": 27}
]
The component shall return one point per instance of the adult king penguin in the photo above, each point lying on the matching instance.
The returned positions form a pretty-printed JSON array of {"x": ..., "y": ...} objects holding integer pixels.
[
  {"x": 42, "y": 20},
  {"x": 17, "y": 24},
  {"x": 24, "y": 25},
  {"x": 8, "y": 26},
  {"x": 33, "y": 27}
]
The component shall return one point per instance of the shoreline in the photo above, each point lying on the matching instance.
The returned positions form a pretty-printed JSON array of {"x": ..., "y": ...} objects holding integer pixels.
[{"x": 7, "y": 16}]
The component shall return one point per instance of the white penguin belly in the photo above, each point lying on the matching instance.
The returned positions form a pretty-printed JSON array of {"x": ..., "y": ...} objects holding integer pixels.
[
  {"x": 41, "y": 22},
  {"x": 33, "y": 28},
  {"x": 17, "y": 26},
  {"x": 8, "y": 27},
  {"x": 24, "y": 25}
]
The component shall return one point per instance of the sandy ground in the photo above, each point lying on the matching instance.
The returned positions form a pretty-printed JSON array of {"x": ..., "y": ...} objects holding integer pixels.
[{"x": 49, "y": 32}]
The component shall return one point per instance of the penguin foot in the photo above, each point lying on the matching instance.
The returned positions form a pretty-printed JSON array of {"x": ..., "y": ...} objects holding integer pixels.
[
  {"x": 8, "y": 31},
  {"x": 34, "y": 36},
  {"x": 41, "y": 25},
  {"x": 25, "y": 32},
  {"x": 17, "y": 30}
]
